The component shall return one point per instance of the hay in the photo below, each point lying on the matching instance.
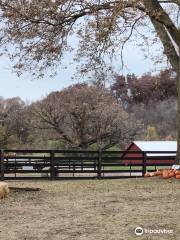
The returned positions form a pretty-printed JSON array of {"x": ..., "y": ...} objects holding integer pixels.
[{"x": 4, "y": 190}]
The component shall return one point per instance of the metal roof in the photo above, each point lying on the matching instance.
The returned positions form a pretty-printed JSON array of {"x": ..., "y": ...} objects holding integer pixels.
[{"x": 157, "y": 146}]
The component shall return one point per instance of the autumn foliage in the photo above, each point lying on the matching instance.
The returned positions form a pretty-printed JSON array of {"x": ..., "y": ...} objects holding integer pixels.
[{"x": 147, "y": 88}]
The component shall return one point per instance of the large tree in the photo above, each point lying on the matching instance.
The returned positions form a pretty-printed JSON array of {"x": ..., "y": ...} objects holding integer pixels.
[
  {"x": 82, "y": 116},
  {"x": 40, "y": 30},
  {"x": 14, "y": 125}
]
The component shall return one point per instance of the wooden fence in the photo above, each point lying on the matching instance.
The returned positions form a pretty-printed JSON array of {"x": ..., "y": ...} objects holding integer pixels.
[{"x": 58, "y": 164}]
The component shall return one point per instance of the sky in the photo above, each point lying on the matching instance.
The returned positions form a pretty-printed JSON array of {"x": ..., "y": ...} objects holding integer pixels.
[{"x": 30, "y": 89}]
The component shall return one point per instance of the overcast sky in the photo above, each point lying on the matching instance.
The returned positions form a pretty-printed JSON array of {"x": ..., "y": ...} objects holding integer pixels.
[{"x": 30, "y": 89}]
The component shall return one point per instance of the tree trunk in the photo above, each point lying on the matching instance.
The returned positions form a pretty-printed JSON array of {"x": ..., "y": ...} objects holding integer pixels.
[{"x": 178, "y": 114}]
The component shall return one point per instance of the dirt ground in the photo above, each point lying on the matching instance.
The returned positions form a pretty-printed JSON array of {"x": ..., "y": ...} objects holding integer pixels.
[{"x": 91, "y": 210}]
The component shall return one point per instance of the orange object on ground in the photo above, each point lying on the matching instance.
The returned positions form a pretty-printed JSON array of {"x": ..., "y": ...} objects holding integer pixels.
[
  {"x": 159, "y": 173},
  {"x": 171, "y": 174},
  {"x": 177, "y": 172},
  {"x": 165, "y": 174},
  {"x": 146, "y": 174}
]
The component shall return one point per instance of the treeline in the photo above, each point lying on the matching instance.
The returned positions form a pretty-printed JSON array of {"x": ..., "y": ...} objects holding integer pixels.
[
  {"x": 152, "y": 100},
  {"x": 91, "y": 117}
]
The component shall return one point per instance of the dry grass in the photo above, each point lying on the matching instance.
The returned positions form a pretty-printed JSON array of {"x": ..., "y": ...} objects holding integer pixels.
[{"x": 91, "y": 210}]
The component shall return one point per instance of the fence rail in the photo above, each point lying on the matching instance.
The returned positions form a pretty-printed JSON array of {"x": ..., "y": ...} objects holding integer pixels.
[{"x": 58, "y": 164}]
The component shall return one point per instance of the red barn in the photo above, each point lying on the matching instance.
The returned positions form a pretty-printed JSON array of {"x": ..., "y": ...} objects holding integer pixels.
[{"x": 150, "y": 146}]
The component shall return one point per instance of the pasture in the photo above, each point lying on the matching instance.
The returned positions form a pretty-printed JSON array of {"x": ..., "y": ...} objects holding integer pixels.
[{"x": 91, "y": 209}]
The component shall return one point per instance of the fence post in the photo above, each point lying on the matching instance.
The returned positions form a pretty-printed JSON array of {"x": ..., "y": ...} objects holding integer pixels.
[
  {"x": 144, "y": 164},
  {"x": 52, "y": 169},
  {"x": 2, "y": 165},
  {"x": 99, "y": 163}
]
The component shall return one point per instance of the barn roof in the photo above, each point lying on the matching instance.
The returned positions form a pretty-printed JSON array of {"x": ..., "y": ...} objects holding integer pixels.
[{"x": 157, "y": 146}]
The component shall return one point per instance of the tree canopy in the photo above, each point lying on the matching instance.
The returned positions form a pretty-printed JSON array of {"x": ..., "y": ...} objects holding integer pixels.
[
  {"x": 146, "y": 89},
  {"x": 40, "y": 31},
  {"x": 87, "y": 116},
  {"x": 82, "y": 116}
]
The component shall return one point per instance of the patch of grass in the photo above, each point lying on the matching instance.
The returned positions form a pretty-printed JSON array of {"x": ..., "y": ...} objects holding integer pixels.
[{"x": 135, "y": 168}]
